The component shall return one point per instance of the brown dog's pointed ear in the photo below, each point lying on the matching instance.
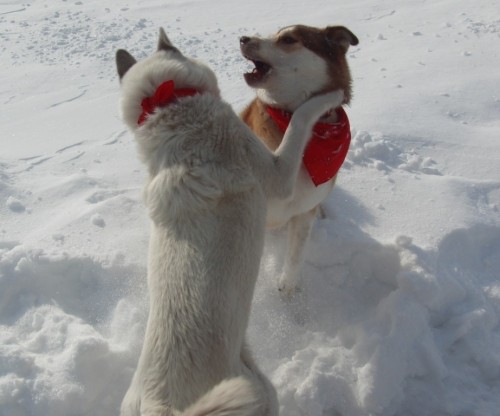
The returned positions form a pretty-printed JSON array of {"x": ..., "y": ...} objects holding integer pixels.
[
  {"x": 124, "y": 61},
  {"x": 340, "y": 35},
  {"x": 164, "y": 43}
]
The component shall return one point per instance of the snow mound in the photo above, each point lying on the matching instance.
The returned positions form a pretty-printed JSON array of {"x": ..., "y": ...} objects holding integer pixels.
[
  {"x": 380, "y": 329},
  {"x": 70, "y": 329},
  {"x": 383, "y": 153}
]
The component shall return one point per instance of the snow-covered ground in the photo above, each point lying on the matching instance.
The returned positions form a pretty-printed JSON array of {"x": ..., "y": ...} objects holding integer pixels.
[{"x": 400, "y": 309}]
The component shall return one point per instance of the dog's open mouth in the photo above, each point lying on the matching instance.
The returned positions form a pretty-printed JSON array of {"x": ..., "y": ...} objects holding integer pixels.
[{"x": 259, "y": 72}]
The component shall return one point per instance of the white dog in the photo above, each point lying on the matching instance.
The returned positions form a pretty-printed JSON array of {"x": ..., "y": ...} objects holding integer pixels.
[
  {"x": 209, "y": 181},
  {"x": 291, "y": 66}
]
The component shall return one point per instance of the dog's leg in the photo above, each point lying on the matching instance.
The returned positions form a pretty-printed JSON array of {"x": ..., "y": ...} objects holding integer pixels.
[
  {"x": 321, "y": 212},
  {"x": 280, "y": 177},
  {"x": 299, "y": 228},
  {"x": 159, "y": 410},
  {"x": 268, "y": 397},
  {"x": 131, "y": 403}
]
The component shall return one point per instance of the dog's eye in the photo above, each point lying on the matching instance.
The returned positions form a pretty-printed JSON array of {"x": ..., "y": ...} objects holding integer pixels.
[{"x": 288, "y": 40}]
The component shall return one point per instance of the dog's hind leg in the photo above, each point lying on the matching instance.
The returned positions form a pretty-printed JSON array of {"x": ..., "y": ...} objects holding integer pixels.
[
  {"x": 158, "y": 411},
  {"x": 131, "y": 403},
  {"x": 299, "y": 228},
  {"x": 263, "y": 386}
]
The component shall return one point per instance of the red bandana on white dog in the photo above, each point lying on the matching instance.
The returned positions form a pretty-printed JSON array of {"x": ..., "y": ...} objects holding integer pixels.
[
  {"x": 327, "y": 148},
  {"x": 164, "y": 95}
]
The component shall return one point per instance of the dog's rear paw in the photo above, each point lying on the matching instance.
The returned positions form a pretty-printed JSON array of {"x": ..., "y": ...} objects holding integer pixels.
[{"x": 288, "y": 287}]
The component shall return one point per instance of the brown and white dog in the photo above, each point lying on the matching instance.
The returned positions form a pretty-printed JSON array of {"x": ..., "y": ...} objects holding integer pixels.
[{"x": 291, "y": 66}]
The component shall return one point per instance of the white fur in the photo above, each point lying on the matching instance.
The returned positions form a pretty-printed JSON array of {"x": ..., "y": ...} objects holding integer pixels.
[
  {"x": 294, "y": 76},
  {"x": 209, "y": 181}
]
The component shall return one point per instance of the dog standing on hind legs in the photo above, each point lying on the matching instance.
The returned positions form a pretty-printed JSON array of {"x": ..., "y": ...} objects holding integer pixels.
[
  {"x": 209, "y": 181},
  {"x": 291, "y": 66}
]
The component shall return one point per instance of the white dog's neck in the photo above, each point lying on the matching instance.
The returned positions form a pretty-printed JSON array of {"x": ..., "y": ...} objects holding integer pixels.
[{"x": 165, "y": 94}]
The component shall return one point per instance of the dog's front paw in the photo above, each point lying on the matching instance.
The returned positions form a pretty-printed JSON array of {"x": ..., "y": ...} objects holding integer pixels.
[{"x": 315, "y": 107}]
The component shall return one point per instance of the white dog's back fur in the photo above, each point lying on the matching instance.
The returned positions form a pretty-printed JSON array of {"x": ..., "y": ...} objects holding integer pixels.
[{"x": 209, "y": 180}]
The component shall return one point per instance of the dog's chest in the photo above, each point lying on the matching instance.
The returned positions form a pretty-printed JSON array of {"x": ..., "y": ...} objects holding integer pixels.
[{"x": 306, "y": 196}]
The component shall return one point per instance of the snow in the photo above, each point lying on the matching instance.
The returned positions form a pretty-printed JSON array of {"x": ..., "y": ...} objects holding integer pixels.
[{"x": 399, "y": 314}]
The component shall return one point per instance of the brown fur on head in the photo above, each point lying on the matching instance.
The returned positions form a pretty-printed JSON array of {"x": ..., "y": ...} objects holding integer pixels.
[
  {"x": 306, "y": 59},
  {"x": 331, "y": 43}
]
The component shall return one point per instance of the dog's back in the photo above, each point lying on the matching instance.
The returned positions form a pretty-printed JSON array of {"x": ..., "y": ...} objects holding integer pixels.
[
  {"x": 209, "y": 220},
  {"x": 206, "y": 242}
]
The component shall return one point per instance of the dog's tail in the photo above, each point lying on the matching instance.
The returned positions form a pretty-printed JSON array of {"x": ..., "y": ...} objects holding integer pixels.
[{"x": 232, "y": 397}]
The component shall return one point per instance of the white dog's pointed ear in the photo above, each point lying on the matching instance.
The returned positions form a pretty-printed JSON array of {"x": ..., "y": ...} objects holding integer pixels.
[
  {"x": 124, "y": 61},
  {"x": 340, "y": 35},
  {"x": 164, "y": 43}
]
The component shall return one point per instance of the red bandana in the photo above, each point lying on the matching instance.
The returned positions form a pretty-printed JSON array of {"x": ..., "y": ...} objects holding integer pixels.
[
  {"x": 164, "y": 94},
  {"x": 327, "y": 148}
]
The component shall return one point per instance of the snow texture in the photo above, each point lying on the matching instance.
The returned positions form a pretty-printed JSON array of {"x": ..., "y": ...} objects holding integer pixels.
[{"x": 399, "y": 313}]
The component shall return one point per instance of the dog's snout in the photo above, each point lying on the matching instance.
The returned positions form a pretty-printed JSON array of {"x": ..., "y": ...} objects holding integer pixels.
[{"x": 245, "y": 39}]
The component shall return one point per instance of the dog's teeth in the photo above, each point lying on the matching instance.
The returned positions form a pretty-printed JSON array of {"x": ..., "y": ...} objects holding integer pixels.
[{"x": 249, "y": 67}]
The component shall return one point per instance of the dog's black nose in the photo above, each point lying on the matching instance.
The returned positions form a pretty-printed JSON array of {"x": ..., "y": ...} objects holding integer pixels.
[{"x": 244, "y": 40}]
